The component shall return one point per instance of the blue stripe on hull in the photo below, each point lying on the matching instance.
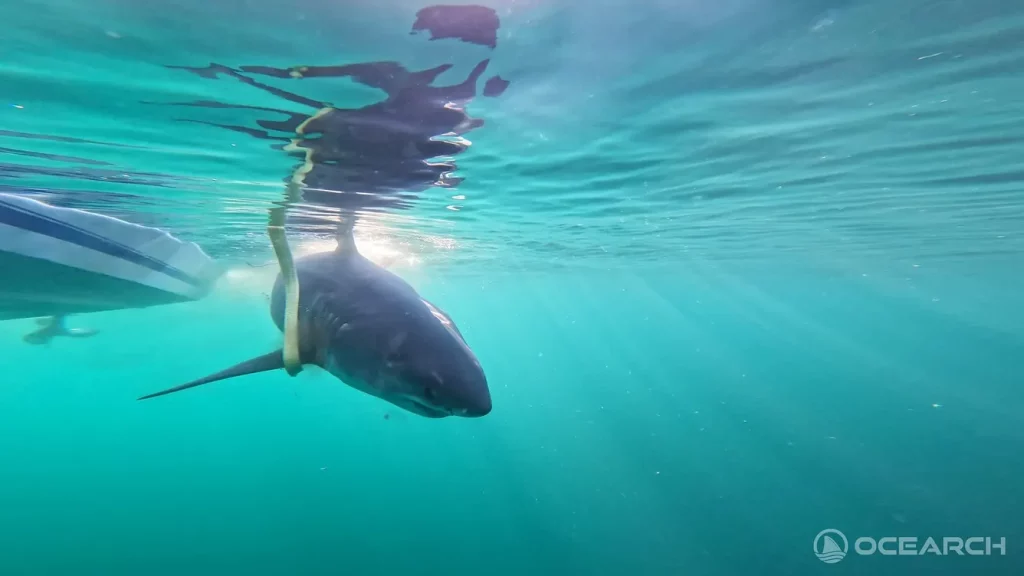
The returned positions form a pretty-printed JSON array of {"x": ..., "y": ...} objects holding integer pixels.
[{"x": 34, "y": 222}]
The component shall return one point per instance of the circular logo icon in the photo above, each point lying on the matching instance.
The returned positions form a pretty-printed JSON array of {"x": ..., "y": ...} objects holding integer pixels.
[{"x": 830, "y": 546}]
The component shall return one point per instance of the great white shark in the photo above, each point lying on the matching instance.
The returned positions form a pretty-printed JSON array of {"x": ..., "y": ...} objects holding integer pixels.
[{"x": 372, "y": 330}]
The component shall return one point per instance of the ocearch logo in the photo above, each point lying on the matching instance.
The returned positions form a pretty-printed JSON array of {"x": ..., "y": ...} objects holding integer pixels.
[{"x": 831, "y": 546}]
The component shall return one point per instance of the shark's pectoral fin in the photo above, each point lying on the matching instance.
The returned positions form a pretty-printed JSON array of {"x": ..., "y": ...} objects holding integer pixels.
[{"x": 265, "y": 363}]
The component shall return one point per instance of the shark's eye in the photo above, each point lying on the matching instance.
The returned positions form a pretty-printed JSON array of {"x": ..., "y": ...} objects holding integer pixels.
[{"x": 429, "y": 393}]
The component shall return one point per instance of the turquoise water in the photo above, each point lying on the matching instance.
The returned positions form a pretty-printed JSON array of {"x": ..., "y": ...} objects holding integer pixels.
[{"x": 738, "y": 272}]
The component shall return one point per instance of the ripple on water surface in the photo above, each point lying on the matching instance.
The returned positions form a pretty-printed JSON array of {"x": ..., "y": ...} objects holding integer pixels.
[{"x": 539, "y": 132}]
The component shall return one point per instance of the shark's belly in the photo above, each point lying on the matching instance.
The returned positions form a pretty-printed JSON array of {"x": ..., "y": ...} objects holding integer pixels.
[{"x": 354, "y": 378}]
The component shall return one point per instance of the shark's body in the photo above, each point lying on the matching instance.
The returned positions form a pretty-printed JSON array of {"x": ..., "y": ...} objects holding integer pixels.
[{"x": 373, "y": 331}]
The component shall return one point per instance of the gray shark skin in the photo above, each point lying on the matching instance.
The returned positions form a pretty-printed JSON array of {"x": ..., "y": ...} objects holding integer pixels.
[{"x": 374, "y": 332}]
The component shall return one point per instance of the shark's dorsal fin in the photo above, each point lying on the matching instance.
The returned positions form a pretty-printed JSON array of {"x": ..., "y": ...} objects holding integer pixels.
[{"x": 345, "y": 237}]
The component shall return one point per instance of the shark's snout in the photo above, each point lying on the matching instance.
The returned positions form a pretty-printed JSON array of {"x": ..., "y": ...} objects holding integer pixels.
[
  {"x": 457, "y": 387},
  {"x": 478, "y": 410},
  {"x": 473, "y": 397},
  {"x": 479, "y": 401}
]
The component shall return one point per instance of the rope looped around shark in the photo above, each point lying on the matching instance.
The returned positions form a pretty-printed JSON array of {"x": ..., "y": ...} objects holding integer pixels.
[{"x": 279, "y": 239}]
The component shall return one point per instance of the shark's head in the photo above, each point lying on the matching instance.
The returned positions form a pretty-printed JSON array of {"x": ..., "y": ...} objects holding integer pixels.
[{"x": 421, "y": 365}]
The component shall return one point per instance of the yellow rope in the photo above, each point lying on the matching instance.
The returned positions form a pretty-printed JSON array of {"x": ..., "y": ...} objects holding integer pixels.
[{"x": 279, "y": 239}]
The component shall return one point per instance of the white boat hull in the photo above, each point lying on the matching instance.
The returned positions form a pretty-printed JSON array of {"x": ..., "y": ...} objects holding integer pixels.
[{"x": 65, "y": 261}]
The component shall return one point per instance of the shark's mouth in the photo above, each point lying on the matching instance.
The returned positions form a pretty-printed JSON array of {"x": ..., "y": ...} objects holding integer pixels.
[
  {"x": 379, "y": 389},
  {"x": 418, "y": 406}
]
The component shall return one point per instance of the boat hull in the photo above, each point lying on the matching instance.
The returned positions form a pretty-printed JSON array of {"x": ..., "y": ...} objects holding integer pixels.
[{"x": 64, "y": 261}]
